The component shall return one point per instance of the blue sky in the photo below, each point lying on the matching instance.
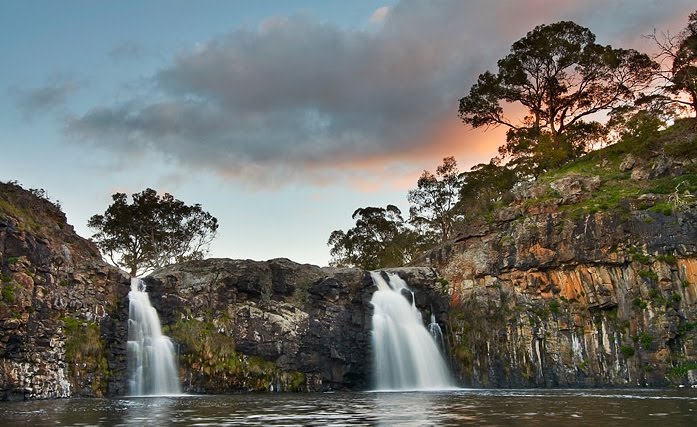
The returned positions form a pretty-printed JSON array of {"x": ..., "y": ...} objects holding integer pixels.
[{"x": 279, "y": 117}]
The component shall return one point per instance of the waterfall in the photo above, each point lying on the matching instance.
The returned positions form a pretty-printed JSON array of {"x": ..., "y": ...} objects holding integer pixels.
[
  {"x": 151, "y": 363},
  {"x": 436, "y": 332},
  {"x": 405, "y": 354}
]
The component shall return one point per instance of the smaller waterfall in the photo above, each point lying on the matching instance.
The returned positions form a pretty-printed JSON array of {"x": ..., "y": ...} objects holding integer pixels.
[
  {"x": 151, "y": 363},
  {"x": 406, "y": 355},
  {"x": 436, "y": 332}
]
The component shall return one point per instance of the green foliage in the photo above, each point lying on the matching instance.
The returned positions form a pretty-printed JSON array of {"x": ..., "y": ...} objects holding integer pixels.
[
  {"x": 640, "y": 303},
  {"x": 649, "y": 275},
  {"x": 687, "y": 327},
  {"x": 8, "y": 292},
  {"x": 627, "y": 351},
  {"x": 645, "y": 340},
  {"x": 433, "y": 202},
  {"x": 554, "y": 306},
  {"x": 562, "y": 77},
  {"x": 444, "y": 284},
  {"x": 682, "y": 149},
  {"x": 152, "y": 231},
  {"x": 668, "y": 259},
  {"x": 85, "y": 353},
  {"x": 640, "y": 133},
  {"x": 485, "y": 186},
  {"x": 639, "y": 257},
  {"x": 379, "y": 239},
  {"x": 679, "y": 52},
  {"x": 213, "y": 354},
  {"x": 676, "y": 373}
]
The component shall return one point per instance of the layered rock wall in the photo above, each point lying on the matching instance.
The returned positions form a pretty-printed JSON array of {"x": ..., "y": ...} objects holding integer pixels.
[
  {"x": 63, "y": 312},
  {"x": 609, "y": 299},
  {"x": 274, "y": 325}
]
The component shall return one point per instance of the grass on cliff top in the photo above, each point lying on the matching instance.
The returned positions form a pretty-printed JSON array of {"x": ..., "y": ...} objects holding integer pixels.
[
  {"x": 32, "y": 209},
  {"x": 678, "y": 141}
]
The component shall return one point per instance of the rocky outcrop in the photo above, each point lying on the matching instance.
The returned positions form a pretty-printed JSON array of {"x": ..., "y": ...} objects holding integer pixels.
[
  {"x": 275, "y": 325},
  {"x": 63, "y": 311},
  {"x": 552, "y": 299}
]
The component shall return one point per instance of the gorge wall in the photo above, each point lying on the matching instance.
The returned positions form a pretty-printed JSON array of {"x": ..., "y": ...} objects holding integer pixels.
[
  {"x": 63, "y": 311},
  {"x": 275, "y": 325},
  {"x": 550, "y": 298},
  {"x": 540, "y": 298}
]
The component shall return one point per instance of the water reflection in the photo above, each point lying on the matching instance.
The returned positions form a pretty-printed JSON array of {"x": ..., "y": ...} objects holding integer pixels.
[
  {"x": 463, "y": 407},
  {"x": 149, "y": 410}
]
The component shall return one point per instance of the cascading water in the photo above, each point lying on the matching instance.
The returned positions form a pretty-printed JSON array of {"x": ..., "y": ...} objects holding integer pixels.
[
  {"x": 406, "y": 355},
  {"x": 436, "y": 332},
  {"x": 151, "y": 364}
]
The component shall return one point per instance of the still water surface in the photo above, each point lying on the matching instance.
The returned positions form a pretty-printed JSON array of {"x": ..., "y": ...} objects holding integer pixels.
[{"x": 461, "y": 407}]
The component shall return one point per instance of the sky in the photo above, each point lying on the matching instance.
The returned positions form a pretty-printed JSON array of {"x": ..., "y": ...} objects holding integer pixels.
[{"x": 279, "y": 117}]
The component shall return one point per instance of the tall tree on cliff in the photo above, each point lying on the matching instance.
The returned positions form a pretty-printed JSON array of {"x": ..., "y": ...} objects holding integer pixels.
[
  {"x": 678, "y": 73},
  {"x": 379, "y": 239},
  {"x": 434, "y": 200},
  {"x": 562, "y": 77},
  {"x": 152, "y": 232}
]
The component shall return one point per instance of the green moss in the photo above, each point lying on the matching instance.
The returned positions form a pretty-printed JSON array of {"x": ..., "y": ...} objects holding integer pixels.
[
  {"x": 676, "y": 373},
  {"x": 554, "y": 306},
  {"x": 640, "y": 303},
  {"x": 649, "y": 275},
  {"x": 645, "y": 340},
  {"x": 8, "y": 293},
  {"x": 85, "y": 354},
  {"x": 212, "y": 354},
  {"x": 627, "y": 351},
  {"x": 687, "y": 327},
  {"x": 444, "y": 284},
  {"x": 668, "y": 259},
  {"x": 682, "y": 149}
]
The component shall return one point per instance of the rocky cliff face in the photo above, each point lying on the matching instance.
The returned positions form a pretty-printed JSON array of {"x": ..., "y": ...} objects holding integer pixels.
[
  {"x": 275, "y": 325},
  {"x": 548, "y": 297},
  {"x": 63, "y": 311}
]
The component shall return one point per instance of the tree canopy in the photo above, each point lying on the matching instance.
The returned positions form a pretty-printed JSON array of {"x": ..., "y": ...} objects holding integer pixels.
[
  {"x": 434, "y": 199},
  {"x": 152, "y": 231},
  {"x": 678, "y": 57},
  {"x": 562, "y": 77},
  {"x": 379, "y": 239}
]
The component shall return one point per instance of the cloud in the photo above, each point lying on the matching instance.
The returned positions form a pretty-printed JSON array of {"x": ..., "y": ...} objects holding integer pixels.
[
  {"x": 127, "y": 50},
  {"x": 43, "y": 99},
  {"x": 300, "y": 99},
  {"x": 380, "y": 14}
]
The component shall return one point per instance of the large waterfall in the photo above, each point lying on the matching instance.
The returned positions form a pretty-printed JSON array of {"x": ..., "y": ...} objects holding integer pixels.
[
  {"x": 151, "y": 363},
  {"x": 406, "y": 355}
]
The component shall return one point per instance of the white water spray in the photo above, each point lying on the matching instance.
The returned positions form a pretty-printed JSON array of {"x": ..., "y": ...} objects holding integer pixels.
[
  {"x": 436, "y": 332},
  {"x": 151, "y": 364},
  {"x": 406, "y": 355}
]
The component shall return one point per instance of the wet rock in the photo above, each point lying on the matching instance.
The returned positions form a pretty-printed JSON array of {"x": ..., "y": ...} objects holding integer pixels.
[
  {"x": 39, "y": 252},
  {"x": 551, "y": 301},
  {"x": 310, "y": 320}
]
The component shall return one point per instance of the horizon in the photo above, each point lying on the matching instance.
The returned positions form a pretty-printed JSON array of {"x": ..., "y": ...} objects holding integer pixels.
[{"x": 279, "y": 119}]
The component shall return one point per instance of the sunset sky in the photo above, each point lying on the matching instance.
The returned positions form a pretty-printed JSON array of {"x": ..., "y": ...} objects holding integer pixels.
[{"x": 279, "y": 117}]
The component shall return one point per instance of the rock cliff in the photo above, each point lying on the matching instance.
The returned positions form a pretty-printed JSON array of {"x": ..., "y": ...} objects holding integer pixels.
[
  {"x": 553, "y": 294},
  {"x": 63, "y": 311},
  {"x": 274, "y": 325}
]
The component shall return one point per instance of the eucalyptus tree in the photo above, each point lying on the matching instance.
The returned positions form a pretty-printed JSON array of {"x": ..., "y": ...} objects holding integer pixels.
[
  {"x": 152, "y": 231},
  {"x": 563, "y": 79},
  {"x": 379, "y": 239},
  {"x": 433, "y": 202},
  {"x": 678, "y": 73}
]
